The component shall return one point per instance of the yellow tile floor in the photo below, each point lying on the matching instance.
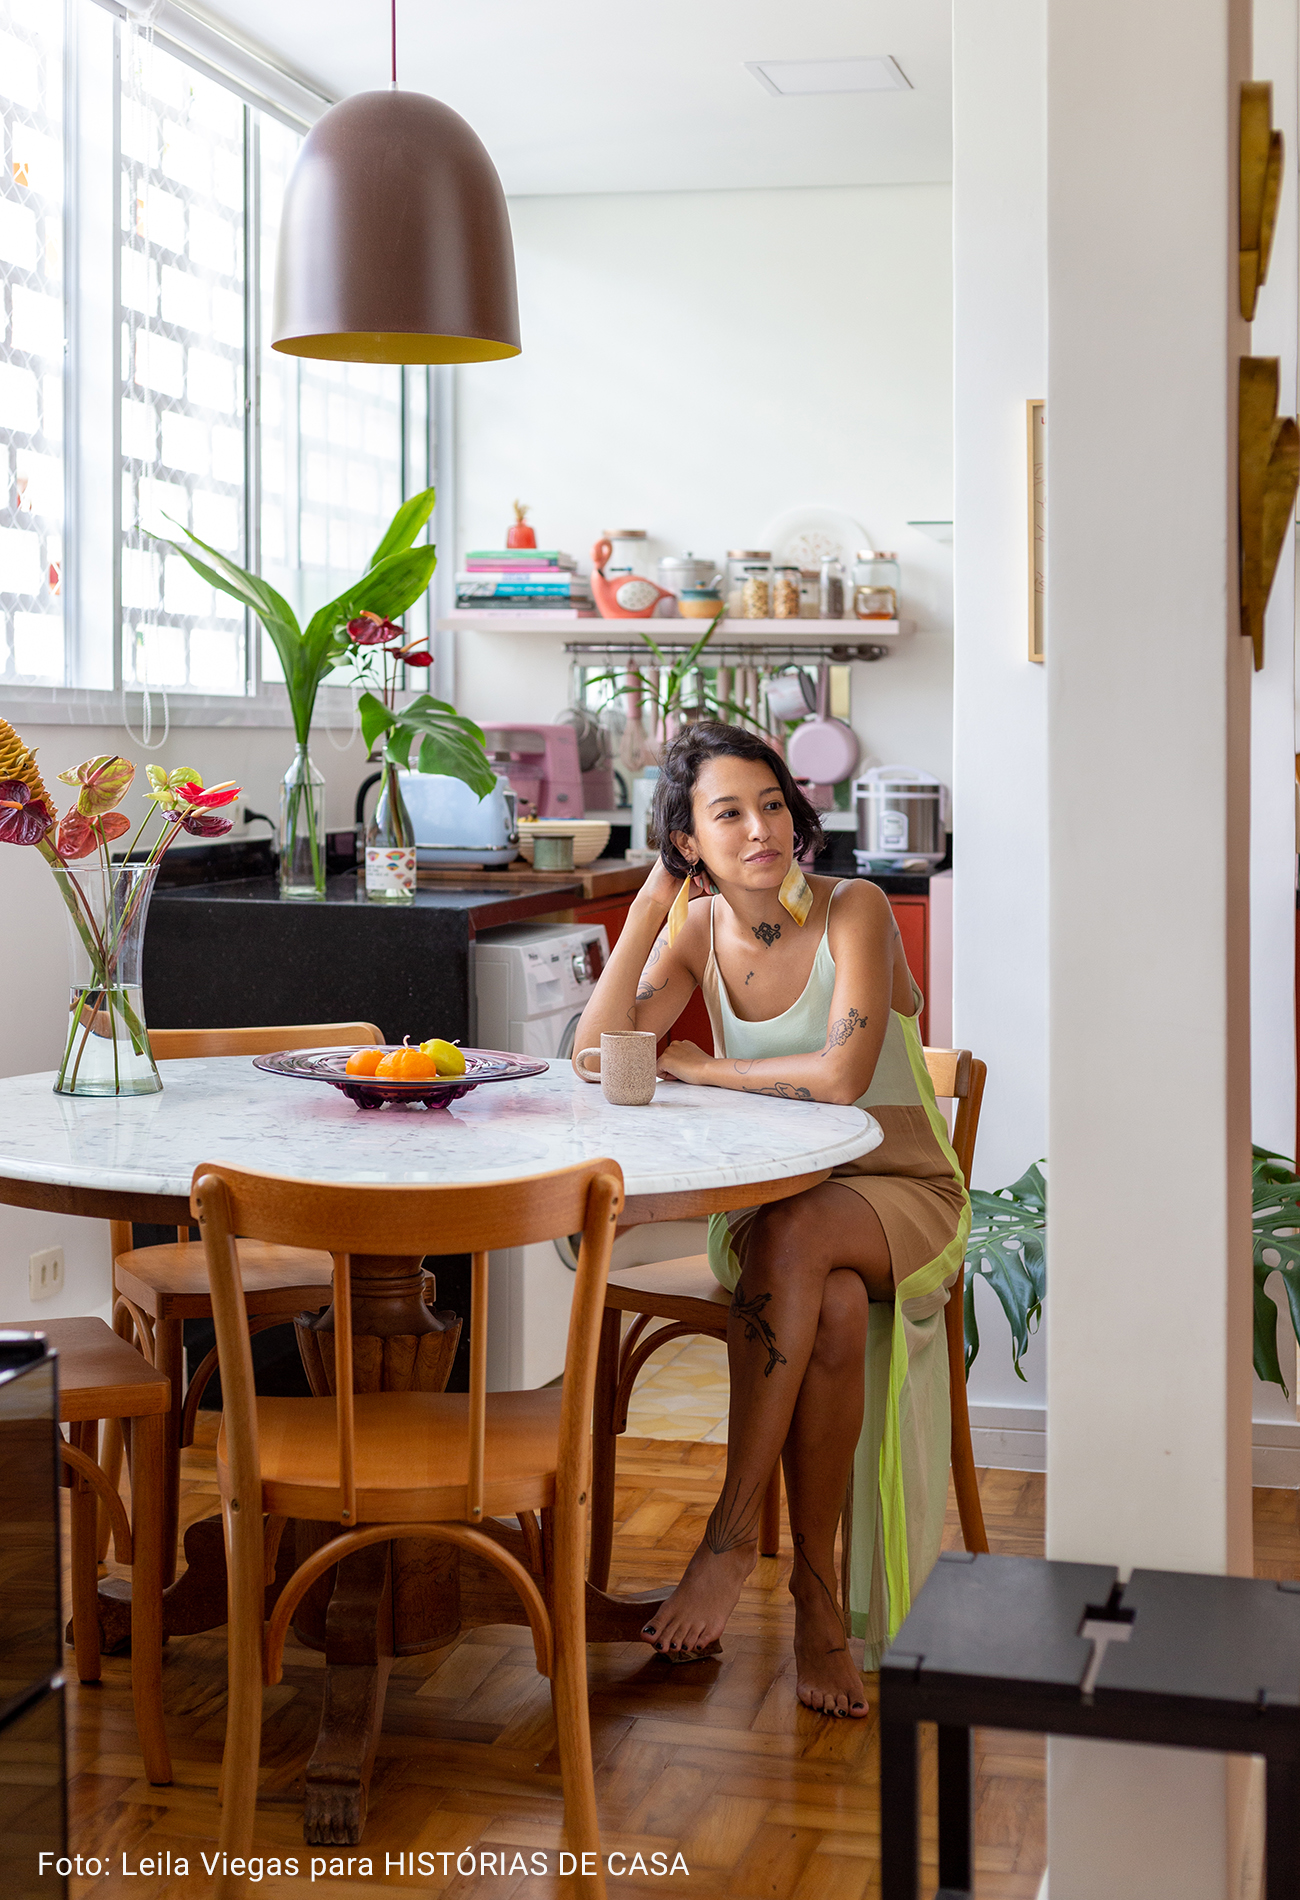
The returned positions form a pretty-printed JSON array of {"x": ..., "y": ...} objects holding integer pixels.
[{"x": 683, "y": 1393}]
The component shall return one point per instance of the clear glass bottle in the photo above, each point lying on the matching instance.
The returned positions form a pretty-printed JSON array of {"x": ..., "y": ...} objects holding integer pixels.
[
  {"x": 831, "y": 589},
  {"x": 785, "y": 593},
  {"x": 875, "y": 585},
  {"x": 810, "y": 604},
  {"x": 390, "y": 845},
  {"x": 749, "y": 584},
  {"x": 302, "y": 829}
]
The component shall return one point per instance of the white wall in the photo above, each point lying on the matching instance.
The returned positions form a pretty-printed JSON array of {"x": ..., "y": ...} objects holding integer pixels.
[
  {"x": 34, "y": 957},
  {"x": 1000, "y": 869},
  {"x": 696, "y": 364}
]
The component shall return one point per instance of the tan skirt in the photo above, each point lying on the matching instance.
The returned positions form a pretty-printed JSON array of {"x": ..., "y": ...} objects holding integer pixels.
[{"x": 907, "y": 1181}]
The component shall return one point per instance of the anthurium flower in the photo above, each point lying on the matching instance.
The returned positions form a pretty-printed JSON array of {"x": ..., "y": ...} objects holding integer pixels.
[
  {"x": 164, "y": 787},
  {"x": 104, "y": 782},
  {"x": 194, "y": 798},
  {"x": 23, "y": 819},
  {"x": 372, "y": 630},
  {"x": 79, "y": 835},
  {"x": 412, "y": 656},
  {"x": 206, "y": 824}
]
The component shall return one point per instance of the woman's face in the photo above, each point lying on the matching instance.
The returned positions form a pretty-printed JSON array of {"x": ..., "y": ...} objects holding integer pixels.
[{"x": 743, "y": 828}]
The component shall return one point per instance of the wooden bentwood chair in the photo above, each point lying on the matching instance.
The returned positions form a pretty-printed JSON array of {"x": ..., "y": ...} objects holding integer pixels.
[
  {"x": 686, "y": 1295},
  {"x": 383, "y": 1465},
  {"x": 156, "y": 1289}
]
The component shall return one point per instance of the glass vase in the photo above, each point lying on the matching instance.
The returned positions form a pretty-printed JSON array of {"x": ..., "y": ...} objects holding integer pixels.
[
  {"x": 302, "y": 829},
  {"x": 390, "y": 845},
  {"x": 107, "y": 1048}
]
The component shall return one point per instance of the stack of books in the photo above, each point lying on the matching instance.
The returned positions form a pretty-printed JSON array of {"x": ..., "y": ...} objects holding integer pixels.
[{"x": 524, "y": 580}]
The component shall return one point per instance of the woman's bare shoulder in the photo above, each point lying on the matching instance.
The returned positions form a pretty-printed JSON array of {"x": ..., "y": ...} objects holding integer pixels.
[{"x": 859, "y": 905}]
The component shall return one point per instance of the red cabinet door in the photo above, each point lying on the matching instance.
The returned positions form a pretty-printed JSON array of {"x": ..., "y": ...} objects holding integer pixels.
[
  {"x": 912, "y": 915},
  {"x": 693, "y": 1023}
]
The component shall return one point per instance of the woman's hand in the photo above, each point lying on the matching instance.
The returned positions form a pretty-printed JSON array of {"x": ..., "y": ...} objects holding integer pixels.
[
  {"x": 685, "y": 1062},
  {"x": 659, "y": 890}
]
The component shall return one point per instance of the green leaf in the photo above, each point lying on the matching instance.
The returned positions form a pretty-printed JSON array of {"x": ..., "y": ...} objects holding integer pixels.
[
  {"x": 1007, "y": 1248},
  {"x": 1275, "y": 1223},
  {"x": 430, "y": 736},
  {"x": 404, "y": 526},
  {"x": 272, "y": 609},
  {"x": 375, "y": 719},
  {"x": 387, "y": 589}
]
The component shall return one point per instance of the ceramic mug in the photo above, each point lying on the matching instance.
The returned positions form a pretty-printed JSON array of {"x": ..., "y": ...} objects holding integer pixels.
[{"x": 627, "y": 1060}]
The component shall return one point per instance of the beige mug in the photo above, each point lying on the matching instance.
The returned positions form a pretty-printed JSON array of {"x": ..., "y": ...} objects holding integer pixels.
[{"x": 627, "y": 1060}]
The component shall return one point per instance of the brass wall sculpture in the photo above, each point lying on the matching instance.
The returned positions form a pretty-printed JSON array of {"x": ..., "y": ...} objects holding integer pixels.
[
  {"x": 1268, "y": 476},
  {"x": 1260, "y": 186}
]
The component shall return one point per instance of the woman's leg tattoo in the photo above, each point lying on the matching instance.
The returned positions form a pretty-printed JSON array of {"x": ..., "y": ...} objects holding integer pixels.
[
  {"x": 750, "y": 1313},
  {"x": 733, "y": 1521}
]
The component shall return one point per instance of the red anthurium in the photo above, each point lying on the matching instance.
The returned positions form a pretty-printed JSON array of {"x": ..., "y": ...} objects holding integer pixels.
[
  {"x": 420, "y": 658},
  {"x": 372, "y": 630},
  {"x": 79, "y": 835},
  {"x": 197, "y": 799},
  {"x": 206, "y": 824},
  {"x": 23, "y": 819}
]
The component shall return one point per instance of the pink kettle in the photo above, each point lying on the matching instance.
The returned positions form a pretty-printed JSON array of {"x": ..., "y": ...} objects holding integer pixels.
[{"x": 628, "y": 597}]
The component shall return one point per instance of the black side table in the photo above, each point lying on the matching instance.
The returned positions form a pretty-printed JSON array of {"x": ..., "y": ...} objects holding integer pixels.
[{"x": 1169, "y": 1658}]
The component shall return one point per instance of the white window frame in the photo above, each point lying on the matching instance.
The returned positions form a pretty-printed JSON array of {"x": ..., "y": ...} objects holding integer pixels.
[{"x": 92, "y": 420}]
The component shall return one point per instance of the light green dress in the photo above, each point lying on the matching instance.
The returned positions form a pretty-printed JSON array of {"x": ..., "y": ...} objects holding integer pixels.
[{"x": 913, "y": 1182}]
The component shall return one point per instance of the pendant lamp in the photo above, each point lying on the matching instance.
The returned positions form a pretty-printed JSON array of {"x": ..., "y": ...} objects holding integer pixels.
[{"x": 395, "y": 242}]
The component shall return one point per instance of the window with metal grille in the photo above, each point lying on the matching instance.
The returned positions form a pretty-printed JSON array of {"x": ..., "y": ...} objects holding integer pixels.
[
  {"x": 32, "y": 328},
  {"x": 183, "y": 163}
]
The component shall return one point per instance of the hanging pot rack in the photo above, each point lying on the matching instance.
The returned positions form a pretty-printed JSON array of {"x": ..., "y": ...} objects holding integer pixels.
[{"x": 765, "y": 654}]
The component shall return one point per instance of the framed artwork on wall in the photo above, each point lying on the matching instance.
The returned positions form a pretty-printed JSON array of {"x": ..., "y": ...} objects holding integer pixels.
[{"x": 1036, "y": 492}]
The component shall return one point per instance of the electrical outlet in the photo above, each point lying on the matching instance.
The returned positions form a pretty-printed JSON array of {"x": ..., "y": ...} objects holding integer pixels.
[{"x": 45, "y": 1273}]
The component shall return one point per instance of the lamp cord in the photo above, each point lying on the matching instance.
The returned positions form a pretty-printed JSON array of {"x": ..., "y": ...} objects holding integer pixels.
[{"x": 393, "y": 39}]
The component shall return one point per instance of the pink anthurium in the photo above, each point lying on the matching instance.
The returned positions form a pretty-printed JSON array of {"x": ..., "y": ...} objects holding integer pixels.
[
  {"x": 23, "y": 819},
  {"x": 104, "y": 782},
  {"x": 79, "y": 835},
  {"x": 206, "y": 824}
]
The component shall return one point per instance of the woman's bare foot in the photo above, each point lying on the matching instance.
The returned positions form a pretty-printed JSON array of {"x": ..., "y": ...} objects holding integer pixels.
[
  {"x": 828, "y": 1681},
  {"x": 696, "y": 1613}
]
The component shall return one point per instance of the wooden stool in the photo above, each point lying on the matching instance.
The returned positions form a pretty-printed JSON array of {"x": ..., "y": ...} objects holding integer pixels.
[
  {"x": 1168, "y": 1659},
  {"x": 102, "y": 1377}
]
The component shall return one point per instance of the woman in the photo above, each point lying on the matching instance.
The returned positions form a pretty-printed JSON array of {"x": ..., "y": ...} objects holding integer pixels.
[{"x": 838, "y": 1291}]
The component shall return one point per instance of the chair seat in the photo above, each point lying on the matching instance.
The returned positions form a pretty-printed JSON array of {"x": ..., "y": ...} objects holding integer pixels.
[
  {"x": 671, "y": 1289},
  {"x": 171, "y": 1282},
  {"x": 412, "y": 1455},
  {"x": 100, "y": 1375}
]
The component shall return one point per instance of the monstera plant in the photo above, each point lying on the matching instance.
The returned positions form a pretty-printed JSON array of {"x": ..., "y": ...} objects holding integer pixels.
[{"x": 1007, "y": 1249}]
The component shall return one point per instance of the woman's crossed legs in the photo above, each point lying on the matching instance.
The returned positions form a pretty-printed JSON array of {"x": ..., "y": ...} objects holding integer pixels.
[{"x": 796, "y": 1347}]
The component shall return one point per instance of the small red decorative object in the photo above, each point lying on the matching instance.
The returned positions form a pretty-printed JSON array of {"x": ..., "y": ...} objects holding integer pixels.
[
  {"x": 372, "y": 630},
  {"x": 519, "y": 534},
  {"x": 23, "y": 819}
]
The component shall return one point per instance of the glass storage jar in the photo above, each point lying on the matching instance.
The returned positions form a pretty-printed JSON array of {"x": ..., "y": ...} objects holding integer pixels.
[
  {"x": 875, "y": 586},
  {"x": 785, "y": 593},
  {"x": 749, "y": 583},
  {"x": 831, "y": 587},
  {"x": 810, "y": 604}
]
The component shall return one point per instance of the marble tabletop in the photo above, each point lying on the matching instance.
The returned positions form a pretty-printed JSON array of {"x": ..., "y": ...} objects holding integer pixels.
[{"x": 223, "y": 1109}]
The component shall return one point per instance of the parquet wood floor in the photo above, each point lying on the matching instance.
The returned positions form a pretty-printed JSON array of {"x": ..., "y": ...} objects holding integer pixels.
[{"x": 764, "y": 1800}]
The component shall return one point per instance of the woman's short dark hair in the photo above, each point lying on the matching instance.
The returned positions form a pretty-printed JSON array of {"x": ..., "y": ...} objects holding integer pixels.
[{"x": 680, "y": 767}]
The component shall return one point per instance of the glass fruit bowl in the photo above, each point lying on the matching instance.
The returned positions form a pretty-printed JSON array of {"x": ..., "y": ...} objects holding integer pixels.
[{"x": 330, "y": 1065}]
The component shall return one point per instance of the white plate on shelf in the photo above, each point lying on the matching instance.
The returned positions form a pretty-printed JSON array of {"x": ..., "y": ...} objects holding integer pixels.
[{"x": 802, "y": 536}]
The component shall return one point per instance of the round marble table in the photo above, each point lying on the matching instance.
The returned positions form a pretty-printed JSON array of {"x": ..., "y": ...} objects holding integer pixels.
[{"x": 691, "y": 1151}]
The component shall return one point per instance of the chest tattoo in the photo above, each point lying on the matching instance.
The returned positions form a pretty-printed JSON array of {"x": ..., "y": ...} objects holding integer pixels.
[
  {"x": 747, "y": 979},
  {"x": 766, "y": 933}
]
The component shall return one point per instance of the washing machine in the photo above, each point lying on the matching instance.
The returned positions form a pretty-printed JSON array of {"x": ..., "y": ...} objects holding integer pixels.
[{"x": 531, "y": 984}]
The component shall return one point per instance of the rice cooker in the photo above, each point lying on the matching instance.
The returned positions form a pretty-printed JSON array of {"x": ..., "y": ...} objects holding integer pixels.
[{"x": 902, "y": 819}]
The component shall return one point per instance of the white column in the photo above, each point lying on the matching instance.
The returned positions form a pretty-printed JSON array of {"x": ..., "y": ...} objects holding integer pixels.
[{"x": 1148, "y": 773}]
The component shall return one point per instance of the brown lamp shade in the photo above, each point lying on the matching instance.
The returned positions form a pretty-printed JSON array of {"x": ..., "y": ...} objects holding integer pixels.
[{"x": 395, "y": 241}]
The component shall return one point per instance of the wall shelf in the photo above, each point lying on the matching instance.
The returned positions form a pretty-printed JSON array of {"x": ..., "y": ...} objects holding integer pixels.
[{"x": 598, "y": 632}]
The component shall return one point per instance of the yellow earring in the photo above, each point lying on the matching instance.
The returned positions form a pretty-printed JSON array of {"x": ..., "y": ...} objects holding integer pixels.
[
  {"x": 795, "y": 895},
  {"x": 677, "y": 915}
]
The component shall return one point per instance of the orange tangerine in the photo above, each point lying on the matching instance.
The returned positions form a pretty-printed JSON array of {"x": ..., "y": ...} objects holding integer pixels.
[{"x": 364, "y": 1061}]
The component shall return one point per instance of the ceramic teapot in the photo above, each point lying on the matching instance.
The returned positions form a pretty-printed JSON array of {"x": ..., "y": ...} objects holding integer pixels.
[{"x": 627, "y": 596}]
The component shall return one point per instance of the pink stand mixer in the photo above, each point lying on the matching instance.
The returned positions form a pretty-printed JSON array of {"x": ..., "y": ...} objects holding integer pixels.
[{"x": 542, "y": 765}]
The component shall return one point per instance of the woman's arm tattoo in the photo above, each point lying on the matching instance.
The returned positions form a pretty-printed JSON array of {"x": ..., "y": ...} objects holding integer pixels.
[
  {"x": 839, "y": 1032},
  {"x": 785, "y": 1090},
  {"x": 750, "y": 1315}
]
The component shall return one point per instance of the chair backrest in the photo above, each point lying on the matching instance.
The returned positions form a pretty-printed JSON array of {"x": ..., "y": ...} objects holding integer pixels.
[
  {"x": 407, "y": 1221},
  {"x": 958, "y": 1074},
  {"x": 175, "y": 1045}
]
